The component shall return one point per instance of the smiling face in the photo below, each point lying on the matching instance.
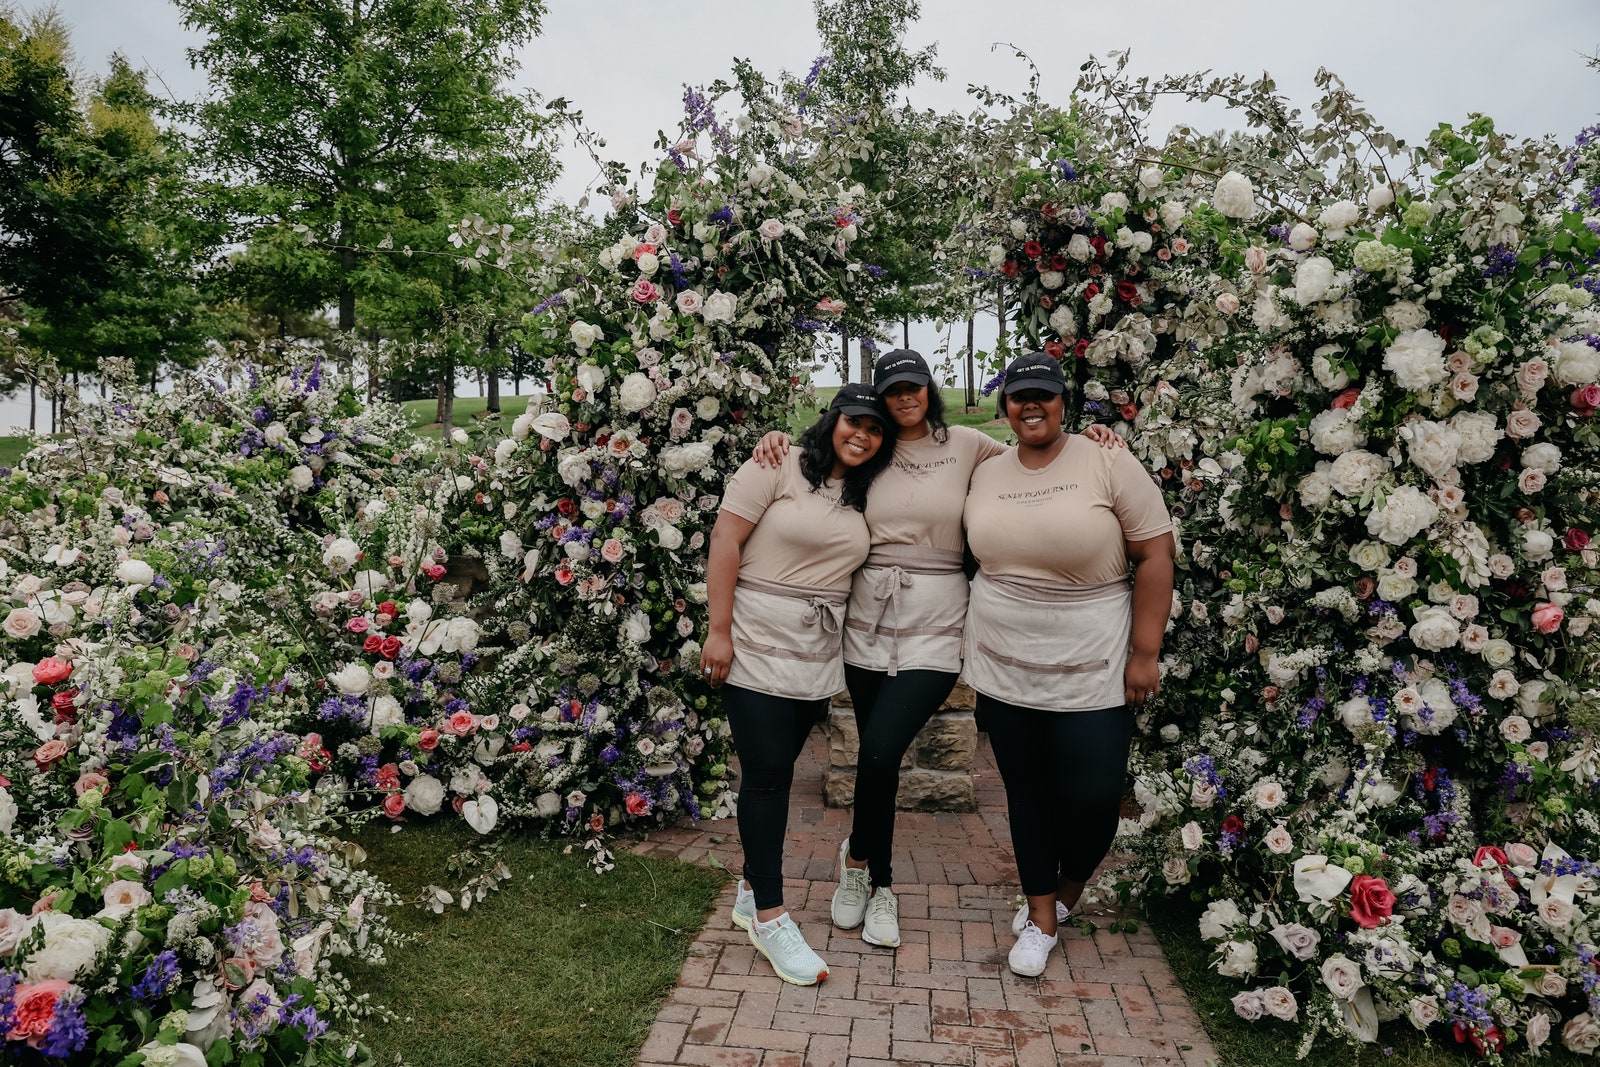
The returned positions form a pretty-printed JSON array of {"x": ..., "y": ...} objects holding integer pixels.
[
  {"x": 908, "y": 407},
  {"x": 856, "y": 439},
  {"x": 1035, "y": 416}
]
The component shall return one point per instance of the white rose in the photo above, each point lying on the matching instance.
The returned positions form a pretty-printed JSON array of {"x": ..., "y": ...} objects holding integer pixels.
[
  {"x": 1405, "y": 514},
  {"x": 584, "y": 335},
  {"x": 1150, "y": 178},
  {"x": 1369, "y": 555},
  {"x": 386, "y": 711},
  {"x": 1342, "y": 976},
  {"x": 1302, "y": 237},
  {"x": 1581, "y": 1034},
  {"x": 771, "y": 229},
  {"x": 70, "y": 947},
  {"x": 1278, "y": 840},
  {"x": 1249, "y": 1005},
  {"x": 647, "y": 264},
  {"x": 301, "y": 477},
  {"x": 1113, "y": 202},
  {"x": 759, "y": 176},
  {"x": 1234, "y": 196},
  {"x": 1193, "y": 836},
  {"x": 1416, "y": 359},
  {"x": 1219, "y": 917},
  {"x": 1423, "y": 1012},
  {"x": 1498, "y": 652},
  {"x": 121, "y": 897},
  {"x": 1175, "y": 870},
  {"x": 425, "y": 794},
  {"x": 1280, "y": 1002},
  {"x": 1079, "y": 248},
  {"x": 135, "y": 572},
  {"x": 720, "y": 307},
  {"x": 353, "y": 680},
  {"x": 21, "y": 623},
  {"x": 13, "y": 928},
  {"x": 1270, "y": 795},
  {"x": 689, "y": 302},
  {"x": 1328, "y": 376},
  {"x": 668, "y": 536},
  {"x": 1537, "y": 545},
  {"x": 1379, "y": 196},
  {"x": 591, "y": 377},
  {"x": 636, "y": 392},
  {"x": 547, "y": 805}
]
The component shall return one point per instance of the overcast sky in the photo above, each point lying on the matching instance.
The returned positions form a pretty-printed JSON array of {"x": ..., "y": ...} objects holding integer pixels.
[{"x": 624, "y": 63}]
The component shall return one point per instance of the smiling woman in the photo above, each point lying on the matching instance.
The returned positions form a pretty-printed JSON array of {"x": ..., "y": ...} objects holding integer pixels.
[{"x": 784, "y": 547}]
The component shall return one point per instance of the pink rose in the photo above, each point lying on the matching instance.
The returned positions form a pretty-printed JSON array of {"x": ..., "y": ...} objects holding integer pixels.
[
  {"x": 94, "y": 780},
  {"x": 428, "y": 740},
  {"x": 611, "y": 551},
  {"x": 1503, "y": 936},
  {"x": 1547, "y": 618},
  {"x": 462, "y": 723},
  {"x": 50, "y": 753},
  {"x": 646, "y": 291},
  {"x": 1586, "y": 398},
  {"x": 1522, "y": 855},
  {"x": 51, "y": 671},
  {"x": 394, "y": 805},
  {"x": 638, "y": 804},
  {"x": 357, "y": 625},
  {"x": 34, "y": 1010}
]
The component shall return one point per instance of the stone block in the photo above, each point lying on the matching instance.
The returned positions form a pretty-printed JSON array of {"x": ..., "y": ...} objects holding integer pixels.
[
  {"x": 948, "y": 742},
  {"x": 844, "y": 744},
  {"x": 922, "y": 790},
  {"x": 839, "y": 787},
  {"x": 961, "y": 698}
]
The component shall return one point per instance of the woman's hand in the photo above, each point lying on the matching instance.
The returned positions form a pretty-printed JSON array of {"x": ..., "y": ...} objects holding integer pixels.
[
  {"x": 716, "y": 656},
  {"x": 1141, "y": 679},
  {"x": 1104, "y": 436},
  {"x": 772, "y": 447}
]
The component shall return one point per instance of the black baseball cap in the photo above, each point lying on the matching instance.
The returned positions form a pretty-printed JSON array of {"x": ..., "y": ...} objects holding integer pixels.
[
  {"x": 900, "y": 365},
  {"x": 1035, "y": 370},
  {"x": 854, "y": 398}
]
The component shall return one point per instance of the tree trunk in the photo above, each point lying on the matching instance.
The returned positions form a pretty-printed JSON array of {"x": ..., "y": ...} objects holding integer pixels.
[
  {"x": 905, "y": 331},
  {"x": 972, "y": 386},
  {"x": 493, "y": 371},
  {"x": 33, "y": 406},
  {"x": 447, "y": 400},
  {"x": 844, "y": 357},
  {"x": 52, "y": 412}
]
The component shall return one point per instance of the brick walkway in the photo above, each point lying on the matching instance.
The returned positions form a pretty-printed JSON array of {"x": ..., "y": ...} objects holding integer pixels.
[{"x": 945, "y": 996}]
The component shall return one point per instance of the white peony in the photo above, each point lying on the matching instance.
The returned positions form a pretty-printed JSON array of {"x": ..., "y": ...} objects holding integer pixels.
[
  {"x": 341, "y": 554},
  {"x": 386, "y": 711},
  {"x": 1335, "y": 432},
  {"x": 1537, "y": 545},
  {"x": 1576, "y": 363},
  {"x": 8, "y": 815},
  {"x": 1432, "y": 446},
  {"x": 1338, "y": 217},
  {"x": 679, "y": 460},
  {"x": 1219, "y": 917},
  {"x": 1354, "y": 473},
  {"x": 1416, "y": 359},
  {"x": 1302, "y": 237},
  {"x": 1234, "y": 196},
  {"x": 636, "y": 392},
  {"x": 301, "y": 477},
  {"x": 352, "y": 680},
  {"x": 1238, "y": 959},
  {"x": 70, "y": 947},
  {"x": 1328, "y": 375},
  {"x": 1479, "y": 435},
  {"x": 1355, "y": 714},
  {"x": 1543, "y": 457},
  {"x": 1405, "y": 514},
  {"x": 425, "y": 794},
  {"x": 1405, "y": 315}
]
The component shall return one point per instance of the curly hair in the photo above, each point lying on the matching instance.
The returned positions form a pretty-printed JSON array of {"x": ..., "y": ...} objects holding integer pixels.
[{"x": 817, "y": 458}]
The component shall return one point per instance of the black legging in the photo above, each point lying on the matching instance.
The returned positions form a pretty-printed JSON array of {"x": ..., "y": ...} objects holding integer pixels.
[
  {"x": 889, "y": 712},
  {"x": 769, "y": 733},
  {"x": 1064, "y": 773}
]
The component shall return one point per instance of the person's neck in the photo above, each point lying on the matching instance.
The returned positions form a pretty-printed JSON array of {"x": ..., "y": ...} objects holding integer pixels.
[
  {"x": 1035, "y": 456},
  {"x": 915, "y": 433},
  {"x": 838, "y": 471}
]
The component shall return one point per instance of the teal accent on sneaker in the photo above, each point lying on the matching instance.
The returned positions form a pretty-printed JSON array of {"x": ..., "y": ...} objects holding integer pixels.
[
  {"x": 882, "y": 925},
  {"x": 744, "y": 906},
  {"x": 850, "y": 899},
  {"x": 785, "y": 948}
]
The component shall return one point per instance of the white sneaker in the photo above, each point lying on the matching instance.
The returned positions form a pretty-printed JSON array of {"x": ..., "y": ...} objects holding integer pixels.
[
  {"x": 850, "y": 899},
  {"x": 1031, "y": 953},
  {"x": 785, "y": 948},
  {"x": 1022, "y": 917},
  {"x": 744, "y": 906},
  {"x": 882, "y": 925}
]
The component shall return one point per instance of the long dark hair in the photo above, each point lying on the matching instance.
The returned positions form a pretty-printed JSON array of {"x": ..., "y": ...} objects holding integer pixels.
[
  {"x": 936, "y": 423},
  {"x": 817, "y": 458}
]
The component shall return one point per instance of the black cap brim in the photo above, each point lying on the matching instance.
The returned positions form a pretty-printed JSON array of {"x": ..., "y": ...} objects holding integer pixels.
[
  {"x": 1049, "y": 385},
  {"x": 914, "y": 376},
  {"x": 860, "y": 409}
]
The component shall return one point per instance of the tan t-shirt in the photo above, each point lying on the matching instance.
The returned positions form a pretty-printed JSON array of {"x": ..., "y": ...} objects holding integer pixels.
[
  {"x": 1067, "y": 521},
  {"x": 803, "y": 536},
  {"x": 918, "y": 500}
]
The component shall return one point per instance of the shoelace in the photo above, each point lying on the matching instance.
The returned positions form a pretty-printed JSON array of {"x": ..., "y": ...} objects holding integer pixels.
[
  {"x": 788, "y": 940},
  {"x": 854, "y": 885},
  {"x": 882, "y": 906},
  {"x": 1032, "y": 933}
]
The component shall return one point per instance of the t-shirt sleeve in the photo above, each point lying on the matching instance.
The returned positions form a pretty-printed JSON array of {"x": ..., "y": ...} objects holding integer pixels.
[
  {"x": 751, "y": 490},
  {"x": 987, "y": 447},
  {"x": 1135, "y": 499}
]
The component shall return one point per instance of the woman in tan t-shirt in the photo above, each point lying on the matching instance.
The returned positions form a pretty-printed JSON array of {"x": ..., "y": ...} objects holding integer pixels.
[
  {"x": 1058, "y": 646},
  {"x": 784, "y": 546},
  {"x": 903, "y": 622}
]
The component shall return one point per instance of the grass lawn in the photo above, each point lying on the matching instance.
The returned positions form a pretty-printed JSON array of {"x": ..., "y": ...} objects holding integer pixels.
[
  {"x": 11, "y": 450},
  {"x": 1268, "y": 1043},
  {"x": 467, "y": 411},
  {"x": 560, "y": 967}
]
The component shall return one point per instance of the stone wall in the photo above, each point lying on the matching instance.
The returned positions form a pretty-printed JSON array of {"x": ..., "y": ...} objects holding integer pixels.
[{"x": 936, "y": 773}]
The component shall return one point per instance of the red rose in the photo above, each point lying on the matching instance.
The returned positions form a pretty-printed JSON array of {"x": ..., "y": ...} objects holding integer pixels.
[
  {"x": 372, "y": 644},
  {"x": 1055, "y": 349},
  {"x": 1232, "y": 825},
  {"x": 1033, "y": 249},
  {"x": 566, "y": 506},
  {"x": 394, "y": 805},
  {"x": 1058, "y": 262},
  {"x": 1365, "y": 587},
  {"x": 1081, "y": 348},
  {"x": 1127, "y": 291},
  {"x": 1490, "y": 854},
  {"x": 389, "y": 647},
  {"x": 646, "y": 291},
  {"x": 522, "y": 746},
  {"x": 1009, "y": 268},
  {"x": 638, "y": 804},
  {"x": 1090, "y": 291},
  {"x": 1346, "y": 399},
  {"x": 1099, "y": 246},
  {"x": 50, "y": 671},
  {"x": 1576, "y": 540},
  {"x": 1130, "y": 411},
  {"x": 62, "y": 701},
  {"x": 737, "y": 415},
  {"x": 387, "y": 777},
  {"x": 1491, "y": 1038},
  {"x": 428, "y": 740},
  {"x": 675, "y": 217},
  {"x": 1371, "y": 903},
  {"x": 1049, "y": 211},
  {"x": 388, "y": 608}
]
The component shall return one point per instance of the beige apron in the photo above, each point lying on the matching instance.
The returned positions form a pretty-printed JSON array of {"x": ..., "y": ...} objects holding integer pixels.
[
  {"x": 907, "y": 606},
  {"x": 786, "y": 638},
  {"x": 1053, "y": 646}
]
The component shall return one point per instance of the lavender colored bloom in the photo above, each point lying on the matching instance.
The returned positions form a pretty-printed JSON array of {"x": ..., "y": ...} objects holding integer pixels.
[
  {"x": 159, "y": 978},
  {"x": 69, "y": 1031}
]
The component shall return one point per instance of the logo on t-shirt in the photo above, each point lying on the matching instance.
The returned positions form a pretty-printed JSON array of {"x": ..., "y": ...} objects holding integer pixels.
[
  {"x": 1031, "y": 496},
  {"x": 916, "y": 469}
]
